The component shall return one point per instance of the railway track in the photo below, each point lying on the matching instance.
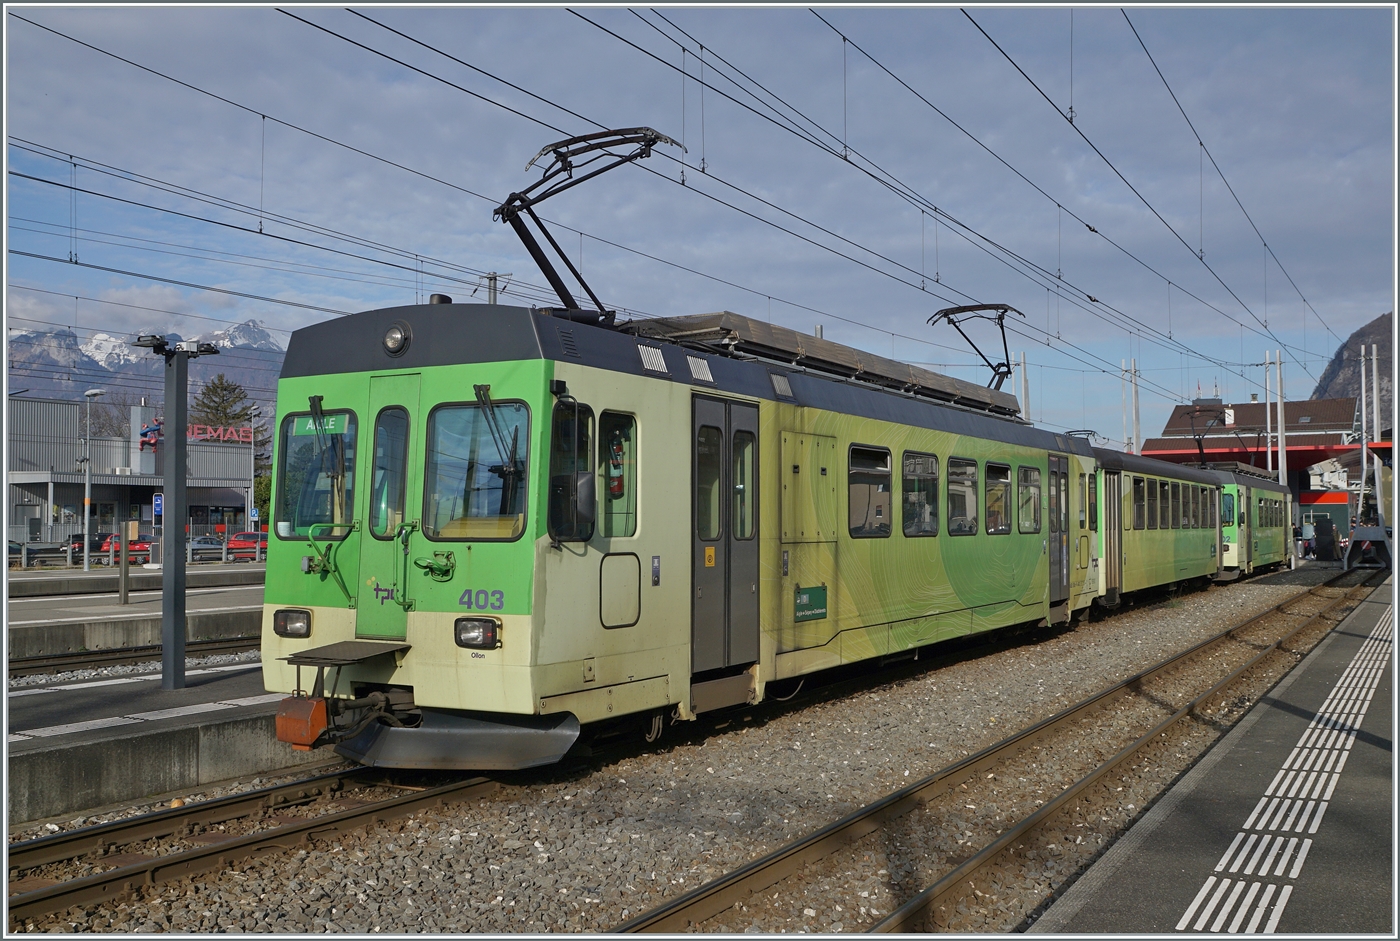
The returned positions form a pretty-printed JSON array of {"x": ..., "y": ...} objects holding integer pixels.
[
  {"x": 275, "y": 819},
  {"x": 119, "y": 656},
  {"x": 886, "y": 829}
]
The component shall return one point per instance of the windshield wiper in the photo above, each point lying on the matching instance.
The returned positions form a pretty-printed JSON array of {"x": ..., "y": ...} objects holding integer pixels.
[{"x": 510, "y": 469}]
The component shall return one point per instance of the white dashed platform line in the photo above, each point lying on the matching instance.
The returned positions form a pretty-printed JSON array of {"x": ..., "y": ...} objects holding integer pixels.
[
  {"x": 191, "y": 710},
  {"x": 1294, "y": 802}
]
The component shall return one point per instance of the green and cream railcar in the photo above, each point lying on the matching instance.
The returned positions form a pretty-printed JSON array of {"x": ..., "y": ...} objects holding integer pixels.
[
  {"x": 492, "y": 525},
  {"x": 1161, "y": 523},
  {"x": 1256, "y": 522}
]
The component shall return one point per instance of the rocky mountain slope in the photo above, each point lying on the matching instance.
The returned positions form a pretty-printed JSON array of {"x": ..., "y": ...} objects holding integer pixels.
[{"x": 1342, "y": 377}]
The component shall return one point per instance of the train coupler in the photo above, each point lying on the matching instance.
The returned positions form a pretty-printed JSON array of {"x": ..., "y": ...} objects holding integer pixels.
[{"x": 301, "y": 721}]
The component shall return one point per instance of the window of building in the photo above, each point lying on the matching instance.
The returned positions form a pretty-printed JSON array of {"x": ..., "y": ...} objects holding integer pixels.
[
  {"x": 472, "y": 490},
  {"x": 1151, "y": 504},
  {"x": 617, "y": 436},
  {"x": 1139, "y": 503},
  {"x": 962, "y": 497},
  {"x": 920, "y": 488},
  {"x": 998, "y": 499},
  {"x": 1028, "y": 499},
  {"x": 869, "y": 489},
  {"x": 745, "y": 484}
]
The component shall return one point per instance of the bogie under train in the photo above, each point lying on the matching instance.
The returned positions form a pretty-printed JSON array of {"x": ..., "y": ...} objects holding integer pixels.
[{"x": 492, "y": 525}]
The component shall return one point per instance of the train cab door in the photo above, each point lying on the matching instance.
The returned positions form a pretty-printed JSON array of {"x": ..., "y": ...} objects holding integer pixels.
[
  {"x": 1244, "y": 514},
  {"x": 1059, "y": 531},
  {"x": 1112, "y": 537},
  {"x": 382, "y": 611},
  {"x": 724, "y": 468}
]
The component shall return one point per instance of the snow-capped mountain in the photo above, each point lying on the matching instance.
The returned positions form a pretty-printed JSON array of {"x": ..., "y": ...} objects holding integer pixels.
[
  {"x": 251, "y": 334},
  {"x": 112, "y": 352}
]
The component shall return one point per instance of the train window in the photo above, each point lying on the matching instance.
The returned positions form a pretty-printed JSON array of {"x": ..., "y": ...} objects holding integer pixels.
[
  {"x": 476, "y": 477},
  {"x": 1028, "y": 499},
  {"x": 317, "y": 475},
  {"x": 571, "y": 508},
  {"x": 617, "y": 436},
  {"x": 709, "y": 464},
  {"x": 745, "y": 484},
  {"x": 920, "y": 486},
  {"x": 1210, "y": 502},
  {"x": 1227, "y": 509},
  {"x": 869, "y": 492},
  {"x": 1083, "y": 500},
  {"x": 386, "y": 501},
  {"x": 1151, "y": 504},
  {"x": 1064, "y": 502},
  {"x": 962, "y": 497},
  {"x": 1094, "y": 501},
  {"x": 1176, "y": 504},
  {"x": 1195, "y": 507},
  {"x": 998, "y": 499},
  {"x": 1139, "y": 503}
]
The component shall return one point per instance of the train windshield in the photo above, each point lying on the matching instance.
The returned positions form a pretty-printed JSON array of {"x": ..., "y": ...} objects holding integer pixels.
[
  {"x": 476, "y": 471},
  {"x": 317, "y": 492}
]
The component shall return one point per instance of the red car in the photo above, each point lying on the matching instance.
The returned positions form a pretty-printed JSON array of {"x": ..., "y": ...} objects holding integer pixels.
[
  {"x": 141, "y": 545},
  {"x": 247, "y": 546}
]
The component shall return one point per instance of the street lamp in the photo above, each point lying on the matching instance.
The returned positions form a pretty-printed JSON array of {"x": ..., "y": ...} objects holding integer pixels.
[
  {"x": 90, "y": 394},
  {"x": 253, "y": 413}
]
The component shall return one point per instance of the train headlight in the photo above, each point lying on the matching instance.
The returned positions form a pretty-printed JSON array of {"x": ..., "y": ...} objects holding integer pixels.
[
  {"x": 477, "y": 633},
  {"x": 291, "y": 622},
  {"x": 397, "y": 338}
]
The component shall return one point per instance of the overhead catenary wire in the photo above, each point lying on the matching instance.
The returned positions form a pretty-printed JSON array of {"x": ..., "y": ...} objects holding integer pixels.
[
  {"x": 357, "y": 150},
  {"x": 1206, "y": 151},
  {"x": 1135, "y": 192}
]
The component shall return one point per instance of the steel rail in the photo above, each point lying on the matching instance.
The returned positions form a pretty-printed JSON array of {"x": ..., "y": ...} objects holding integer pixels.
[
  {"x": 720, "y": 894},
  {"x": 88, "y": 659},
  {"x": 913, "y": 914},
  {"x": 114, "y": 883}
]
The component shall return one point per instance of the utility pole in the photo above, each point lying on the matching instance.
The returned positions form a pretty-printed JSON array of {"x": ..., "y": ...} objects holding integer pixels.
[
  {"x": 1268, "y": 416},
  {"x": 1137, "y": 416},
  {"x": 1282, "y": 426},
  {"x": 1123, "y": 384},
  {"x": 90, "y": 394},
  {"x": 1025, "y": 390},
  {"x": 253, "y": 412},
  {"x": 1365, "y": 438},
  {"x": 172, "y": 607},
  {"x": 1376, "y": 429}
]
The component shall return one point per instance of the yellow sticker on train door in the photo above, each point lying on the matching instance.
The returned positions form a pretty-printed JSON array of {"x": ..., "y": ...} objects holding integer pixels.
[{"x": 709, "y": 557}]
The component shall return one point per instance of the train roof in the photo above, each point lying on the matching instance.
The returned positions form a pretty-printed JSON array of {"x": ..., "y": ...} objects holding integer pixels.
[
  {"x": 1117, "y": 460},
  {"x": 1255, "y": 480},
  {"x": 456, "y": 334}
]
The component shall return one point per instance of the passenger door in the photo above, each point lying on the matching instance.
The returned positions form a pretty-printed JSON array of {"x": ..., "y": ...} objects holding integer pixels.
[
  {"x": 1112, "y": 536},
  {"x": 1059, "y": 529},
  {"x": 388, "y": 523},
  {"x": 724, "y": 474}
]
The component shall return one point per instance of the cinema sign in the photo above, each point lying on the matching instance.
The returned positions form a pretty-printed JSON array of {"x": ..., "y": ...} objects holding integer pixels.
[{"x": 214, "y": 433}]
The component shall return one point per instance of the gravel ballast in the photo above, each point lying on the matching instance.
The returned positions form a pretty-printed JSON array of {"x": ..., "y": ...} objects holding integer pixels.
[{"x": 584, "y": 849}]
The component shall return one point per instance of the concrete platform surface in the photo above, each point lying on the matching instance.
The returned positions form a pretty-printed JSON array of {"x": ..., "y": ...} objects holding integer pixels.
[
  {"x": 58, "y": 624},
  {"x": 29, "y": 583},
  {"x": 76, "y": 746},
  {"x": 1285, "y": 826}
]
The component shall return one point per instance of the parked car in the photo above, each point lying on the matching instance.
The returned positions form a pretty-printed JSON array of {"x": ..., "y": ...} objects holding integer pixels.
[
  {"x": 206, "y": 549},
  {"x": 140, "y": 546},
  {"x": 247, "y": 546},
  {"x": 95, "y": 542}
]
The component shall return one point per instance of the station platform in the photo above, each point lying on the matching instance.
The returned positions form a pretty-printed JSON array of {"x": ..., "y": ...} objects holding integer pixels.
[
  {"x": 86, "y": 744},
  {"x": 1285, "y": 826},
  {"x": 51, "y": 624},
  {"x": 30, "y": 583}
]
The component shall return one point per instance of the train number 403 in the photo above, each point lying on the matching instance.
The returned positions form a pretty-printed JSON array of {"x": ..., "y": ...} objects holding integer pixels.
[{"x": 482, "y": 600}]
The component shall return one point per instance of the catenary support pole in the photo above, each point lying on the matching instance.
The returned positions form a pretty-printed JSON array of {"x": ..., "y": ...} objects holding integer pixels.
[
  {"x": 1137, "y": 416},
  {"x": 1365, "y": 435},
  {"x": 172, "y": 608},
  {"x": 1282, "y": 426},
  {"x": 1376, "y": 429},
  {"x": 1123, "y": 383},
  {"x": 1268, "y": 415}
]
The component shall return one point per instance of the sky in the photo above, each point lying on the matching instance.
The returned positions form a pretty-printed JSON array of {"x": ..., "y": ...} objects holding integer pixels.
[{"x": 853, "y": 168}]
